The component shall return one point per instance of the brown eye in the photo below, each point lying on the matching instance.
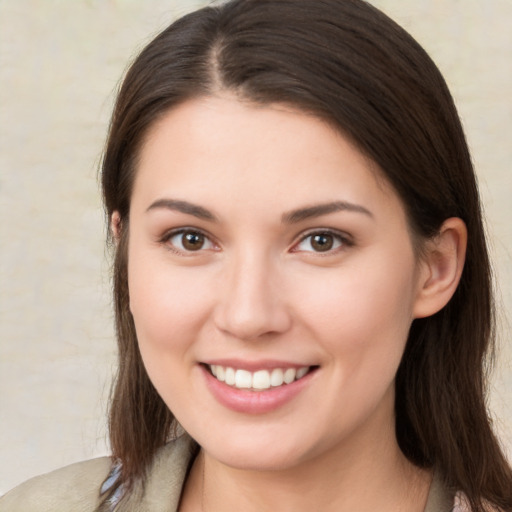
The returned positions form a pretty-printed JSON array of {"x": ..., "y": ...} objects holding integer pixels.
[
  {"x": 321, "y": 242},
  {"x": 190, "y": 241}
]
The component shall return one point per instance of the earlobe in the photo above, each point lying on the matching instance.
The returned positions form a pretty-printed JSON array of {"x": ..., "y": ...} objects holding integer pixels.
[
  {"x": 441, "y": 268},
  {"x": 115, "y": 226}
]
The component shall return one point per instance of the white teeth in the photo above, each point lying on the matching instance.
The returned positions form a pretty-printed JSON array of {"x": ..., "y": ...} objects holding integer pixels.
[
  {"x": 221, "y": 374},
  {"x": 230, "y": 376},
  {"x": 243, "y": 379},
  {"x": 289, "y": 375},
  {"x": 276, "y": 377},
  {"x": 300, "y": 372},
  {"x": 259, "y": 380}
]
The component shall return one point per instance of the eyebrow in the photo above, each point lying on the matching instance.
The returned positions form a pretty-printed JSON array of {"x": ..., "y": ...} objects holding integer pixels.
[
  {"x": 309, "y": 212},
  {"x": 183, "y": 207},
  {"x": 291, "y": 217}
]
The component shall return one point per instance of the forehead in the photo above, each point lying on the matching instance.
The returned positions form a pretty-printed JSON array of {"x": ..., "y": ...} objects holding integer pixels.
[{"x": 222, "y": 150}]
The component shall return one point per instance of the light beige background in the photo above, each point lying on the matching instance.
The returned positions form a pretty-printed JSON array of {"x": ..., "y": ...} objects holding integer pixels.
[{"x": 60, "y": 61}]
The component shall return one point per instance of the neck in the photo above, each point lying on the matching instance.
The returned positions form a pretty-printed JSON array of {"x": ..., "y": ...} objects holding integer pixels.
[{"x": 364, "y": 473}]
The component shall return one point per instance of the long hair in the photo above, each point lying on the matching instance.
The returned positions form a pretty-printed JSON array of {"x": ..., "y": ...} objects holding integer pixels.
[{"x": 350, "y": 65}]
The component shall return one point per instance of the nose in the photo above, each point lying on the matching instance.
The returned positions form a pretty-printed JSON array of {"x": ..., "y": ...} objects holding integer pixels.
[{"x": 251, "y": 303}]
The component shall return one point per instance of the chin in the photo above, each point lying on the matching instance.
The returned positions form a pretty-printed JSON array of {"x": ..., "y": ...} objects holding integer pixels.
[
  {"x": 257, "y": 459},
  {"x": 253, "y": 452}
]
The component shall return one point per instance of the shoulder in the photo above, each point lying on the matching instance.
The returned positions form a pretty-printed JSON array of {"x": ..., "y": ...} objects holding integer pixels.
[
  {"x": 161, "y": 490},
  {"x": 75, "y": 487}
]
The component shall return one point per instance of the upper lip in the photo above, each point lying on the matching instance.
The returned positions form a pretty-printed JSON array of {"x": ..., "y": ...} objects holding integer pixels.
[{"x": 252, "y": 366}]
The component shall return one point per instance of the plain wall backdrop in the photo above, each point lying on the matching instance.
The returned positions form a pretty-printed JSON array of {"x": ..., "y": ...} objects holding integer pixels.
[{"x": 60, "y": 63}]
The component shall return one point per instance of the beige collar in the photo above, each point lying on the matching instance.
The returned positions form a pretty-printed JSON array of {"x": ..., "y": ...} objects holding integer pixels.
[{"x": 439, "y": 498}]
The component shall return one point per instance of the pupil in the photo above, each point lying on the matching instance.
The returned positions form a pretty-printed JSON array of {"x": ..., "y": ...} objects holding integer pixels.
[
  {"x": 322, "y": 243},
  {"x": 193, "y": 241}
]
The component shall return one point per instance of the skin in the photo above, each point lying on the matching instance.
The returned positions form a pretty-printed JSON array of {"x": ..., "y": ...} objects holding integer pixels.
[{"x": 258, "y": 290}]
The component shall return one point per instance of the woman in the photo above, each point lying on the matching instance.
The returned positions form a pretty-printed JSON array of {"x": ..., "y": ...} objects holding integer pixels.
[{"x": 301, "y": 277}]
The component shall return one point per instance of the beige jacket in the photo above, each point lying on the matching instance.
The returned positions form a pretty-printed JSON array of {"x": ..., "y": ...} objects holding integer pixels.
[{"x": 76, "y": 488}]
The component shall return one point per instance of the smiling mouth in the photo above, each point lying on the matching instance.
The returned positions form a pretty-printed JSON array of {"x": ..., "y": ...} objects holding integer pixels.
[{"x": 260, "y": 380}]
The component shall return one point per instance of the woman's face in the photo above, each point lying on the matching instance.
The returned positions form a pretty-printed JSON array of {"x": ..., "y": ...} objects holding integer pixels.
[{"x": 266, "y": 249}]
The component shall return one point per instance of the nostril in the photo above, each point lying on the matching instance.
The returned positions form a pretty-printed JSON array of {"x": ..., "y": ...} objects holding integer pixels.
[
  {"x": 249, "y": 302},
  {"x": 252, "y": 322}
]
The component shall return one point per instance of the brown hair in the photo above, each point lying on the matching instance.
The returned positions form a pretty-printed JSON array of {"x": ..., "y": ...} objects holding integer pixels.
[{"x": 349, "y": 64}]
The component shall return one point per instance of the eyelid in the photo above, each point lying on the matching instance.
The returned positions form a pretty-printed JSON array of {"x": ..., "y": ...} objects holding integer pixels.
[
  {"x": 345, "y": 239},
  {"x": 166, "y": 237}
]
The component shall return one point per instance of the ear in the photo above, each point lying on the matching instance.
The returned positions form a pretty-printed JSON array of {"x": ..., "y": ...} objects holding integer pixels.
[
  {"x": 115, "y": 226},
  {"x": 441, "y": 268}
]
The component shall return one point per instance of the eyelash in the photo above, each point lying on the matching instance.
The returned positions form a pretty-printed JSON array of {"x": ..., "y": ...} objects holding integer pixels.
[
  {"x": 341, "y": 239},
  {"x": 172, "y": 247}
]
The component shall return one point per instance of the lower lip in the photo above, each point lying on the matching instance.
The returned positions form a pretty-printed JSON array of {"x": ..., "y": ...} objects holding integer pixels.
[{"x": 254, "y": 402}]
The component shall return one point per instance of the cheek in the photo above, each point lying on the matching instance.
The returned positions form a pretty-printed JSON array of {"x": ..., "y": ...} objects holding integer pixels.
[
  {"x": 168, "y": 309},
  {"x": 363, "y": 312},
  {"x": 362, "y": 319},
  {"x": 168, "y": 304}
]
